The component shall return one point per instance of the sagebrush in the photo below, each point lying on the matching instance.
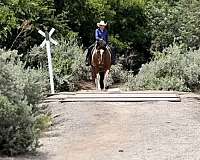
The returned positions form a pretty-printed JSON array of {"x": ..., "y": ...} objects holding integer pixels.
[
  {"x": 21, "y": 90},
  {"x": 176, "y": 68},
  {"x": 68, "y": 63}
]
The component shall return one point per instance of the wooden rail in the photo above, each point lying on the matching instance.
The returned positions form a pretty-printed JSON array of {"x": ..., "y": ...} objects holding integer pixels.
[{"x": 135, "y": 96}]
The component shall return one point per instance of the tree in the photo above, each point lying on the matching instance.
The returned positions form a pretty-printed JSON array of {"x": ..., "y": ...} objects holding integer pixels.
[
  {"x": 178, "y": 22},
  {"x": 21, "y": 20}
]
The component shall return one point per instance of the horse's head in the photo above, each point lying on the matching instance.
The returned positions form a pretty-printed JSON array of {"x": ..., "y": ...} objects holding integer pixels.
[
  {"x": 101, "y": 58},
  {"x": 100, "y": 50},
  {"x": 99, "y": 54}
]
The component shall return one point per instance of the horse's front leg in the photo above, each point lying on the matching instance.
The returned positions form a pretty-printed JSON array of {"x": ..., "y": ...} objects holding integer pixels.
[
  {"x": 105, "y": 79},
  {"x": 96, "y": 77},
  {"x": 97, "y": 82}
]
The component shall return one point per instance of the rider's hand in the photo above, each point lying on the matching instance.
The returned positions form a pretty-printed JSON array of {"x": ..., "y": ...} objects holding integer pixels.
[{"x": 104, "y": 42}]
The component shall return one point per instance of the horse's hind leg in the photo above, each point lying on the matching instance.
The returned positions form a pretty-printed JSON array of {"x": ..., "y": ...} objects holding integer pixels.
[
  {"x": 102, "y": 85},
  {"x": 93, "y": 74}
]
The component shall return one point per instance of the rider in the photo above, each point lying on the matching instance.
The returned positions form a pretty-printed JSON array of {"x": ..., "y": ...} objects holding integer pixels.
[{"x": 101, "y": 33}]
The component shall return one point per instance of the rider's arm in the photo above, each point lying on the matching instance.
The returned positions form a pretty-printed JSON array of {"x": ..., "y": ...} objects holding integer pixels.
[{"x": 97, "y": 35}]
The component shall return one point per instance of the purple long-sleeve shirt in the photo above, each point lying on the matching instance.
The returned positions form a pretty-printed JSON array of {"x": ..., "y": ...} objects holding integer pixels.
[{"x": 101, "y": 35}]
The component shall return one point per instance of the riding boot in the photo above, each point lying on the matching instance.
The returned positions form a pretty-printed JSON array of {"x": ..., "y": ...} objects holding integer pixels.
[{"x": 87, "y": 58}]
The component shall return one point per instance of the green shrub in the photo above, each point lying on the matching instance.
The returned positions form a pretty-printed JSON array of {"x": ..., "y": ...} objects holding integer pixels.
[
  {"x": 68, "y": 63},
  {"x": 117, "y": 74},
  {"x": 43, "y": 121},
  {"x": 37, "y": 58},
  {"x": 17, "y": 131},
  {"x": 20, "y": 84},
  {"x": 21, "y": 90},
  {"x": 173, "y": 69}
]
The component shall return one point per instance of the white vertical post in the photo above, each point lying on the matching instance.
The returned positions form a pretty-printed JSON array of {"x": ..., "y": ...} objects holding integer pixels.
[
  {"x": 47, "y": 41},
  {"x": 50, "y": 66}
]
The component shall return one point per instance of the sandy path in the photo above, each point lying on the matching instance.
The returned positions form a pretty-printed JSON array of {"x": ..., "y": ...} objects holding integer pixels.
[{"x": 123, "y": 131}]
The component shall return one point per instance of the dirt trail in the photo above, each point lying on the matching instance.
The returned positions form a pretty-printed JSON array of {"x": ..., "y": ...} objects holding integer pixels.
[
  {"x": 105, "y": 136},
  {"x": 123, "y": 131}
]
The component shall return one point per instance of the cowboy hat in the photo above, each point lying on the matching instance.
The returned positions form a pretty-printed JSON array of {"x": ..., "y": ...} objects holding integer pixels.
[{"x": 102, "y": 23}]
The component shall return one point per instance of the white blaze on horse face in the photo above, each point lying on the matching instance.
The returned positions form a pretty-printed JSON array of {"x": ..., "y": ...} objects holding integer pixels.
[{"x": 101, "y": 52}]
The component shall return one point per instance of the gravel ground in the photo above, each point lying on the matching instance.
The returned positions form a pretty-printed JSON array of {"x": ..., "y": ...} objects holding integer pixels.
[{"x": 122, "y": 131}]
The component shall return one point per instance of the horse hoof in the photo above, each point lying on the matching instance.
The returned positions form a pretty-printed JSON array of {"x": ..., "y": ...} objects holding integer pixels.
[{"x": 107, "y": 87}]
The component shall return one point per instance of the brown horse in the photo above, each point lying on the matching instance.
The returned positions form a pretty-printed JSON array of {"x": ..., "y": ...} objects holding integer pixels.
[{"x": 101, "y": 63}]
